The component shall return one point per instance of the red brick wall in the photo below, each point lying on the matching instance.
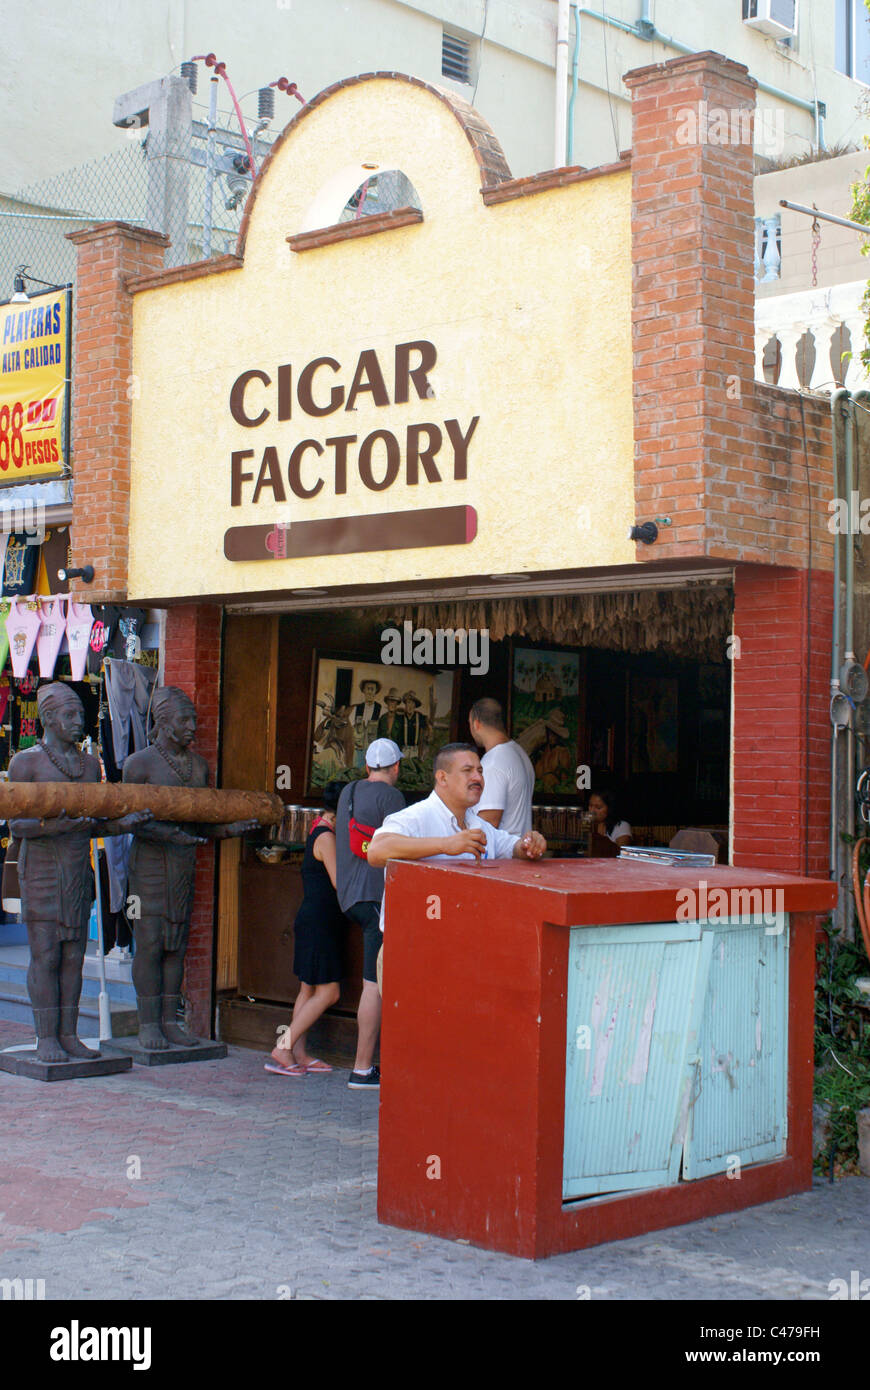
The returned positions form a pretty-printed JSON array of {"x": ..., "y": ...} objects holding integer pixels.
[
  {"x": 192, "y": 657},
  {"x": 719, "y": 453},
  {"x": 771, "y": 481},
  {"x": 773, "y": 754},
  {"x": 107, "y": 255}
]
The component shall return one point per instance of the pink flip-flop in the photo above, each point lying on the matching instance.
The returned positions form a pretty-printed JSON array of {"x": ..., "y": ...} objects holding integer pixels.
[
  {"x": 316, "y": 1065},
  {"x": 276, "y": 1067}
]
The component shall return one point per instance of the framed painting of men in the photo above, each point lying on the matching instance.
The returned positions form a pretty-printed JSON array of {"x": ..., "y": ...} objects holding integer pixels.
[{"x": 356, "y": 700}]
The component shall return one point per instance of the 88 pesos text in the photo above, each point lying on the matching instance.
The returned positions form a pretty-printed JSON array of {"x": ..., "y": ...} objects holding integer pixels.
[{"x": 21, "y": 419}]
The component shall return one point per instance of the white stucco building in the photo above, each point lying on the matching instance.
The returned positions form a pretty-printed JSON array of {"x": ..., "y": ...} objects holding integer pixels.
[{"x": 64, "y": 65}]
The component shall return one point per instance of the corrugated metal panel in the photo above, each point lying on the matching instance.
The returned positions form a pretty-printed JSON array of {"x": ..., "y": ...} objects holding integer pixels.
[
  {"x": 633, "y": 996},
  {"x": 739, "y": 1112}
]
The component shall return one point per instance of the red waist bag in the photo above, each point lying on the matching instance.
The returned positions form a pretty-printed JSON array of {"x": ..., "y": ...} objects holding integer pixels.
[{"x": 360, "y": 835}]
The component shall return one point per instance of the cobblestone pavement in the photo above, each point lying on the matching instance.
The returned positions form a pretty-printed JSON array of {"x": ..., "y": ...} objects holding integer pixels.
[{"x": 254, "y": 1186}]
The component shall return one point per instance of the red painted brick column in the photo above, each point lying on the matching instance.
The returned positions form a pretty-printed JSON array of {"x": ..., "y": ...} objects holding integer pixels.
[
  {"x": 192, "y": 657},
  {"x": 776, "y": 824},
  {"x": 101, "y": 395}
]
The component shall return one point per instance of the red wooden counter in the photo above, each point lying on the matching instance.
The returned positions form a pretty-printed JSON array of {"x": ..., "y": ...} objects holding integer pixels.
[{"x": 580, "y": 1051}]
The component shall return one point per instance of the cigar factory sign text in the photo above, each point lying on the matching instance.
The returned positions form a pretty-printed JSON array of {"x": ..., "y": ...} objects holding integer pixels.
[
  {"x": 430, "y": 451},
  {"x": 311, "y": 410}
]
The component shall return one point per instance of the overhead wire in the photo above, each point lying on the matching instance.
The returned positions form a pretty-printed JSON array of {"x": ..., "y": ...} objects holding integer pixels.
[
  {"x": 480, "y": 55},
  {"x": 613, "y": 121}
]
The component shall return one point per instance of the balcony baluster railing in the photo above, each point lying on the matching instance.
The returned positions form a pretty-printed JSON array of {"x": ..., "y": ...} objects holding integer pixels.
[
  {"x": 768, "y": 249},
  {"x": 820, "y": 333}
]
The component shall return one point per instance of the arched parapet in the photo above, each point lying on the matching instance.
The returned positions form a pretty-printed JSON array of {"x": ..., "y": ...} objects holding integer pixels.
[{"x": 394, "y": 129}]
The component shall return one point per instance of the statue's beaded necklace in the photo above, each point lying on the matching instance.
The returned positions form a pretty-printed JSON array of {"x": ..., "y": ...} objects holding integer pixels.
[
  {"x": 52, "y": 757},
  {"x": 182, "y": 775}
]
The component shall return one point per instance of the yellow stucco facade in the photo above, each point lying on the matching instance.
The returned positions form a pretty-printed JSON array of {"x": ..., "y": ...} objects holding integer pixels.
[{"x": 526, "y": 305}]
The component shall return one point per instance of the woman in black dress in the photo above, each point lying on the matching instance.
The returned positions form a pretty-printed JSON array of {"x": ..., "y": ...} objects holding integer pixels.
[{"x": 317, "y": 959}]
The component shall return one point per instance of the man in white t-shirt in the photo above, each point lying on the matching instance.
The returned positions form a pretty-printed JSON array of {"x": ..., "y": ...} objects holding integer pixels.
[
  {"x": 509, "y": 777},
  {"x": 445, "y": 825}
]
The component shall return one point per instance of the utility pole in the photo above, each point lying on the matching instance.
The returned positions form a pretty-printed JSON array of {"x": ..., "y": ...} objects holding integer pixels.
[{"x": 165, "y": 106}]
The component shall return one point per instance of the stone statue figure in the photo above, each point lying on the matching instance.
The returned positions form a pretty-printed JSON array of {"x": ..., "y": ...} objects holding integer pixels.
[
  {"x": 162, "y": 863},
  {"x": 54, "y": 870}
]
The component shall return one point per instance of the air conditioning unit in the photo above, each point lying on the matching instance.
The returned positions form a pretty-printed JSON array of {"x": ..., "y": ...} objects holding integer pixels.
[{"x": 775, "y": 17}]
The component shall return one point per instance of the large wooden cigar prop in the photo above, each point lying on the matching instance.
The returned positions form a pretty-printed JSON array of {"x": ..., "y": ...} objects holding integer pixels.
[{"x": 111, "y": 800}]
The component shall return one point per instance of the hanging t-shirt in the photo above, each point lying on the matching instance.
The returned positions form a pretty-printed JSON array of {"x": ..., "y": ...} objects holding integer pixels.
[
  {"x": 20, "y": 566},
  {"x": 107, "y": 746},
  {"x": 25, "y": 728},
  {"x": 106, "y": 617},
  {"x": 127, "y": 641},
  {"x": 90, "y": 698},
  {"x": 5, "y": 693}
]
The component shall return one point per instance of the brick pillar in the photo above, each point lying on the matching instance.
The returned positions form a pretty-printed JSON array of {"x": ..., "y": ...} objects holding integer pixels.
[
  {"x": 693, "y": 293},
  {"x": 102, "y": 396},
  {"x": 781, "y": 768},
  {"x": 192, "y": 655}
]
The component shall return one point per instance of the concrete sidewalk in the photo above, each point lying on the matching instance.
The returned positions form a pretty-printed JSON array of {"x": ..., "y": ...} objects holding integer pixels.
[{"x": 254, "y": 1186}]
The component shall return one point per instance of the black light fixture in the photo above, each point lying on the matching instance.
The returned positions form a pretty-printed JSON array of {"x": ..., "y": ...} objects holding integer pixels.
[
  {"x": 19, "y": 285},
  {"x": 85, "y": 573},
  {"x": 19, "y": 292},
  {"x": 648, "y": 531}
]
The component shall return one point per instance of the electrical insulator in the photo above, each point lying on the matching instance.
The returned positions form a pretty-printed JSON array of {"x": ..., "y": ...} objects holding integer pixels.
[
  {"x": 266, "y": 103},
  {"x": 188, "y": 72}
]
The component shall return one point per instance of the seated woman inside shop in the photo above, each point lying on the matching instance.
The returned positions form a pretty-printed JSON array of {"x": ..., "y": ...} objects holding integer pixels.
[
  {"x": 609, "y": 831},
  {"x": 318, "y": 932}
]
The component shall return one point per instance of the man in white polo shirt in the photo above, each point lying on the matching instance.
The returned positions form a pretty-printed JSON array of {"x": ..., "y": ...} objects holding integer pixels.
[
  {"x": 509, "y": 777},
  {"x": 445, "y": 825}
]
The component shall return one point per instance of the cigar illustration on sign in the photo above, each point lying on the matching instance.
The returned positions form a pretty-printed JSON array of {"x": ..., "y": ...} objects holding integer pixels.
[
  {"x": 276, "y": 540},
  {"x": 350, "y": 535}
]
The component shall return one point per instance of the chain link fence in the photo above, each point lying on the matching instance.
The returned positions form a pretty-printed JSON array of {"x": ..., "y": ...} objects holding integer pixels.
[
  {"x": 193, "y": 188},
  {"x": 190, "y": 186}
]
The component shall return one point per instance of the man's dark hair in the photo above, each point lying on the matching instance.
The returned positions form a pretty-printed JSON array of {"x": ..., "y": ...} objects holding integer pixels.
[
  {"x": 444, "y": 757},
  {"x": 489, "y": 712}
]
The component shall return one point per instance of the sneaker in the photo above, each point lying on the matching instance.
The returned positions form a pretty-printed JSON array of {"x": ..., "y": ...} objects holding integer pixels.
[{"x": 359, "y": 1081}]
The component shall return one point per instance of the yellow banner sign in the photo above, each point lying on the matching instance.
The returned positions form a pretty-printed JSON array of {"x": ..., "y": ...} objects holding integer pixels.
[{"x": 33, "y": 386}]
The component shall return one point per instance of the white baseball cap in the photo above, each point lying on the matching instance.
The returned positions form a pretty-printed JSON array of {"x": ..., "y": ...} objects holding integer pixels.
[{"x": 382, "y": 753}]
